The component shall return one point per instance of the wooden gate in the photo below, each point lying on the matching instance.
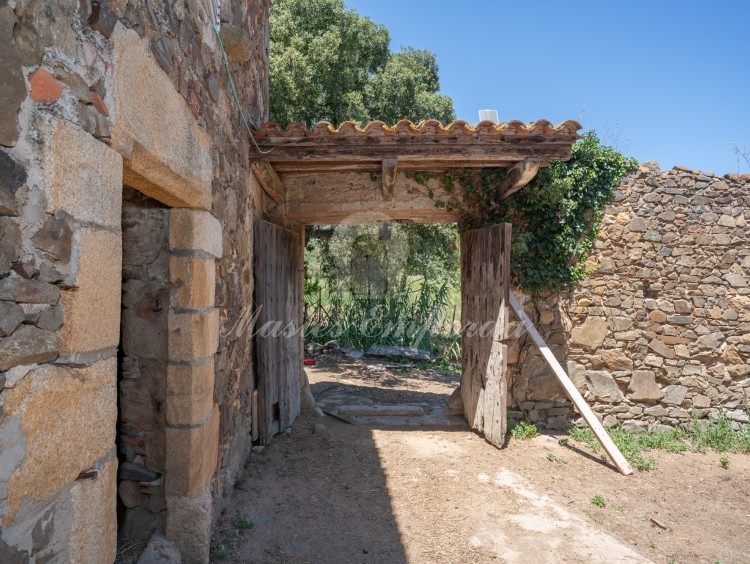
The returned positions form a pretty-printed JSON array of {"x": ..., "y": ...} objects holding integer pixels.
[
  {"x": 485, "y": 287},
  {"x": 278, "y": 256}
]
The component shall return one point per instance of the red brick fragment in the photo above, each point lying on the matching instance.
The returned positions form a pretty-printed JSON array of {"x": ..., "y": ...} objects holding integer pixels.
[
  {"x": 194, "y": 103},
  {"x": 98, "y": 103},
  {"x": 45, "y": 89}
]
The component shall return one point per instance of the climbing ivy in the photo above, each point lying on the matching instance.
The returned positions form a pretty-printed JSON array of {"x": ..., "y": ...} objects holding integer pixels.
[{"x": 555, "y": 219}]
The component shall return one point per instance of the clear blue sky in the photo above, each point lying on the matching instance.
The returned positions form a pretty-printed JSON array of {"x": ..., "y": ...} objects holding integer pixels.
[{"x": 662, "y": 80}]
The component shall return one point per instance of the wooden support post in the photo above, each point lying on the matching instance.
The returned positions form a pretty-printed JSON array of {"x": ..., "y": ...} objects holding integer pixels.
[
  {"x": 269, "y": 180},
  {"x": 573, "y": 393},
  {"x": 519, "y": 175},
  {"x": 390, "y": 169}
]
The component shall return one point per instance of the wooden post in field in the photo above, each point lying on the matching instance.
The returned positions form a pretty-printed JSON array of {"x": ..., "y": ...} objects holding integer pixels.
[{"x": 573, "y": 393}]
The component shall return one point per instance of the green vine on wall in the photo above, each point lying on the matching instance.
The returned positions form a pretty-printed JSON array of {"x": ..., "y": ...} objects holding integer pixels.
[{"x": 555, "y": 219}]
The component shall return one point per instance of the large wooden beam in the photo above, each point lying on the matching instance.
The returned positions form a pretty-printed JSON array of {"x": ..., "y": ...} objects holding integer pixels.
[
  {"x": 356, "y": 197},
  {"x": 519, "y": 175},
  {"x": 269, "y": 180},
  {"x": 413, "y": 156}
]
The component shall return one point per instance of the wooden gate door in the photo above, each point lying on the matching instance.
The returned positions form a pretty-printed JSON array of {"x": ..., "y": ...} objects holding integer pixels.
[
  {"x": 485, "y": 288},
  {"x": 278, "y": 345}
]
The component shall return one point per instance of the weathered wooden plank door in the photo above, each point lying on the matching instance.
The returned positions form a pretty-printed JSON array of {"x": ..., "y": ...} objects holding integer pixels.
[
  {"x": 485, "y": 287},
  {"x": 278, "y": 349}
]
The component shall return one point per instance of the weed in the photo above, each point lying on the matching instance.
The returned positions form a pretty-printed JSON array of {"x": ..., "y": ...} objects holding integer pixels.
[
  {"x": 219, "y": 553},
  {"x": 724, "y": 462},
  {"x": 242, "y": 522},
  {"x": 717, "y": 435},
  {"x": 523, "y": 431},
  {"x": 552, "y": 458},
  {"x": 598, "y": 501}
]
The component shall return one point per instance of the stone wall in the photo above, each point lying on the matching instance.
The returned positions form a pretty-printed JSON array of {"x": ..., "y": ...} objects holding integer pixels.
[
  {"x": 659, "y": 333},
  {"x": 97, "y": 95}
]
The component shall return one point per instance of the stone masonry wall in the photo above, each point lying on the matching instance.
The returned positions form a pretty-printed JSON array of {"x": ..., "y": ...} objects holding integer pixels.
[
  {"x": 97, "y": 94},
  {"x": 659, "y": 333}
]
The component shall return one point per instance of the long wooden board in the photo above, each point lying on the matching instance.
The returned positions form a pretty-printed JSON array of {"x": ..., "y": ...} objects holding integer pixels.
[{"x": 573, "y": 393}]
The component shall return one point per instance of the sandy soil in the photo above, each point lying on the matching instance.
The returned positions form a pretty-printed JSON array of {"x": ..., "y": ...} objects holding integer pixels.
[{"x": 350, "y": 493}]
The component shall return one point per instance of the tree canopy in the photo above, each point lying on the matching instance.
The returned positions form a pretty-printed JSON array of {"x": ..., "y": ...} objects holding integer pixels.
[{"x": 329, "y": 63}]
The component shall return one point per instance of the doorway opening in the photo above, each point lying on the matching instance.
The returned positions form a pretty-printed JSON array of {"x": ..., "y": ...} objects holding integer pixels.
[
  {"x": 382, "y": 320},
  {"x": 142, "y": 369}
]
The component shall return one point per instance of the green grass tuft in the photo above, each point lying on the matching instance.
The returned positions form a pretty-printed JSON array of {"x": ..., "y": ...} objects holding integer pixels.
[
  {"x": 523, "y": 431},
  {"x": 242, "y": 522},
  {"x": 718, "y": 436}
]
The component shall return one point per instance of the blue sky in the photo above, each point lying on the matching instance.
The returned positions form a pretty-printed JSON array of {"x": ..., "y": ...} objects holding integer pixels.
[{"x": 662, "y": 80}]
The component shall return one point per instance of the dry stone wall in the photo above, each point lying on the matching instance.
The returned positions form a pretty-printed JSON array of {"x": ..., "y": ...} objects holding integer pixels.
[{"x": 659, "y": 333}]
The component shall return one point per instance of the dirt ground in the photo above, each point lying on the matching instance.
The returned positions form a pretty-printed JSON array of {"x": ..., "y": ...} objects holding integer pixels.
[{"x": 375, "y": 492}]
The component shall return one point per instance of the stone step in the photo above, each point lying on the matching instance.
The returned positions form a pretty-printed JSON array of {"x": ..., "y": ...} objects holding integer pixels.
[{"x": 380, "y": 411}]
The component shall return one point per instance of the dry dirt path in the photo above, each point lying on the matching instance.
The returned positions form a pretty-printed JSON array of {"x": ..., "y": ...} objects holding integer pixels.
[{"x": 377, "y": 493}]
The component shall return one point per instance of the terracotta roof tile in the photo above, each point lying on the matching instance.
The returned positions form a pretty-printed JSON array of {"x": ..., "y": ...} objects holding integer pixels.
[{"x": 426, "y": 128}]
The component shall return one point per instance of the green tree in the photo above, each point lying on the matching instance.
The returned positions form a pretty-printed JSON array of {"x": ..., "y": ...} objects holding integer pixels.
[
  {"x": 329, "y": 63},
  {"x": 407, "y": 88}
]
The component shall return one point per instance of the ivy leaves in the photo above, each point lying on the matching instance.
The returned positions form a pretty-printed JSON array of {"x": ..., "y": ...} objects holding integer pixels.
[{"x": 556, "y": 219}]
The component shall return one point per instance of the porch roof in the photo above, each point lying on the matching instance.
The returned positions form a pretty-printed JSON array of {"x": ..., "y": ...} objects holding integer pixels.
[{"x": 427, "y": 146}]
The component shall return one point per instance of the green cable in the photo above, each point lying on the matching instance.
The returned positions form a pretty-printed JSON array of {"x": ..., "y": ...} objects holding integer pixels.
[{"x": 236, "y": 97}]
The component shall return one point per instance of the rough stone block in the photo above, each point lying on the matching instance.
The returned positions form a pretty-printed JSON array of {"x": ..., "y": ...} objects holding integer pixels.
[
  {"x": 193, "y": 336},
  {"x": 22, "y": 290},
  {"x": 93, "y": 537},
  {"x": 591, "y": 334},
  {"x": 83, "y": 175},
  {"x": 12, "y": 86},
  {"x": 65, "y": 420},
  {"x": 160, "y": 551},
  {"x": 55, "y": 237},
  {"x": 192, "y": 454},
  {"x": 166, "y": 153},
  {"x": 28, "y": 345},
  {"x": 701, "y": 401},
  {"x": 91, "y": 309},
  {"x": 190, "y": 393},
  {"x": 189, "y": 526},
  {"x": 643, "y": 387},
  {"x": 193, "y": 282},
  {"x": 612, "y": 360},
  {"x": 604, "y": 387},
  {"x": 661, "y": 349},
  {"x": 12, "y": 174},
  {"x": 674, "y": 395},
  {"x": 195, "y": 230},
  {"x": 11, "y": 316},
  {"x": 735, "y": 280},
  {"x": 10, "y": 243}
]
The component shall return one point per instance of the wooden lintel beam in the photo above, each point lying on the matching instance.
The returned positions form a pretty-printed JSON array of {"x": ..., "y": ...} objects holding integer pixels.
[
  {"x": 388, "y": 177},
  {"x": 269, "y": 180},
  {"x": 519, "y": 175}
]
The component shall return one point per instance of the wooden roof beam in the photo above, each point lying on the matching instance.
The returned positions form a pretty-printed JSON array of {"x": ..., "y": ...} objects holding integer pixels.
[
  {"x": 518, "y": 176},
  {"x": 269, "y": 180}
]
